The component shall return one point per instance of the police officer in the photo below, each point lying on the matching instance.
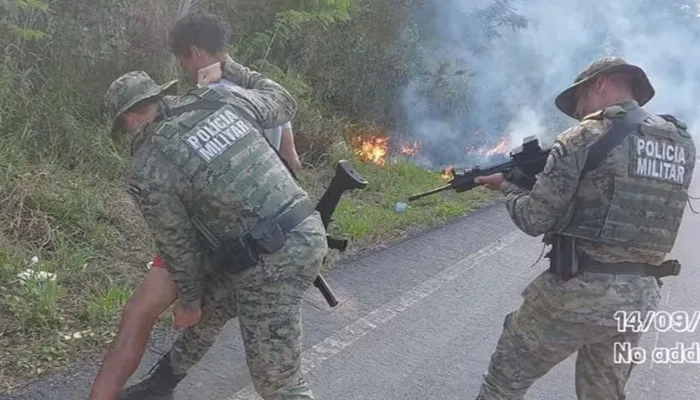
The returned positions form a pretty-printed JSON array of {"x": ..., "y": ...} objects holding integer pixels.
[
  {"x": 610, "y": 201},
  {"x": 238, "y": 235}
]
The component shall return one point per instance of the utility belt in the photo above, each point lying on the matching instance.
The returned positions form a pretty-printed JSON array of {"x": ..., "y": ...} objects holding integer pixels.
[
  {"x": 566, "y": 263},
  {"x": 268, "y": 237}
]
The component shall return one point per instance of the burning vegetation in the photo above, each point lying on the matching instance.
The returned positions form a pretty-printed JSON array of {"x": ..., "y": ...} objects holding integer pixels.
[
  {"x": 371, "y": 149},
  {"x": 374, "y": 149},
  {"x": 500, "y": 148},
  {"x": 410, "y": 150},
  {"x": 446, "y": 174}
]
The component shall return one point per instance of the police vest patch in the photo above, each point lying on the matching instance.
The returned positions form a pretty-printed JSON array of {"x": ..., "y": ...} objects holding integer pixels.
[
  {"x": 217, "y": 133},
  {"x": 658, "y": 158}
]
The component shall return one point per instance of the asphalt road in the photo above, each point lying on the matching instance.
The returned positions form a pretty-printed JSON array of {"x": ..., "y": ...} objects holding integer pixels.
[{"x": 419, "y": 321}]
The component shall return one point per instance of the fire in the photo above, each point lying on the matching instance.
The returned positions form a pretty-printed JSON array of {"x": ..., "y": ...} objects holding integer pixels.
[
  {"x": 446, "y": 173},
  {"x": 500, "y": 148},
  {"x": 410, "y": 150},
  {"x": 371, "y": 148}
]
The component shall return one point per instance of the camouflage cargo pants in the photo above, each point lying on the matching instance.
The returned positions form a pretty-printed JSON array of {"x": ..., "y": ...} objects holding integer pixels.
[
  {"x": 532, "y": 343},
  {"x": 267, "y": 300}
]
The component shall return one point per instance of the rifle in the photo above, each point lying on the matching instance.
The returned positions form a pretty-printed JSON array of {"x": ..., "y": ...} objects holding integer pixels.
[
  {"x": 525, "y": 162},
  {"x": 345, "y": 178}
]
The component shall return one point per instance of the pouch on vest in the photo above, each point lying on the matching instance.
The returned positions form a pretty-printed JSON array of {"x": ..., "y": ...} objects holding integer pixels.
[
  {"x": 563, "y": 260},
  {"x": 268, "y": 236},
  {"x": 236, "y": 255},
  {"x": 244, "y": 252}
]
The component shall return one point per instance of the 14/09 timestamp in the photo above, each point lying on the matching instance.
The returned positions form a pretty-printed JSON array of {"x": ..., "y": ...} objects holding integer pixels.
[{"x": 661, "y": 321}]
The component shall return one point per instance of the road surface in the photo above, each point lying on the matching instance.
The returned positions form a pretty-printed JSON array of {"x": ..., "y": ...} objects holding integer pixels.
[{"x": 419, "y": 321}]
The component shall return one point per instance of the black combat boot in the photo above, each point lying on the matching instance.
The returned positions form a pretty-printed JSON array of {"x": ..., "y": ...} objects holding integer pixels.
[{"x": 160, "y": 385}]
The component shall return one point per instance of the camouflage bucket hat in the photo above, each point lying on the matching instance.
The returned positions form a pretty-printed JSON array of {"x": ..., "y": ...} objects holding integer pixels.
[
  {"x": 128, "y": 90},
  {"x": 643, "y": 91}
]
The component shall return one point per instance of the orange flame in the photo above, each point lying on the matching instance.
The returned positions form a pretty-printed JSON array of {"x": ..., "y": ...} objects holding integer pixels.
[
  {"x": 500, "y": 148},
  {"x": 446, "y": 173},
  {"x": 410, "y": 150},
  {"x": 371, "y": 148}
]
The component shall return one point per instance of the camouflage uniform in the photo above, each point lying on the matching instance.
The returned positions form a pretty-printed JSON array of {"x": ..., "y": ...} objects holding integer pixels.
[
  {"x": 559, "y": 317},
  {"x": 173, "y": 182}
]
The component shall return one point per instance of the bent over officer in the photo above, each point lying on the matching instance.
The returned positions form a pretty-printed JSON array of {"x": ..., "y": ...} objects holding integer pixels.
[
  {"x": 238, "y": 235},
  {"x": 610, "y": 201}
]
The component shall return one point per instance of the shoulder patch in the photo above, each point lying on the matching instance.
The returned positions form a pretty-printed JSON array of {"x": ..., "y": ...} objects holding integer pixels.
[{"x": 558, "y": 151}]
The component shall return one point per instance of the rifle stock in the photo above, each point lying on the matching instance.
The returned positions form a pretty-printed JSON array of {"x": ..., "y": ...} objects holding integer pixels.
[
  {"x": 345, "y": 179},
  {"x": 525, "y": 162}
]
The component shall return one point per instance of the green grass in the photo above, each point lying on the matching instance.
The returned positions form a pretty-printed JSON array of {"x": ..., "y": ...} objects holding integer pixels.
[{"x": 367, "y": 216}]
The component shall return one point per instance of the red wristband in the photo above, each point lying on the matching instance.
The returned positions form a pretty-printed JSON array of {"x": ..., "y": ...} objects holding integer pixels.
[{"x": 158, "y": 262}]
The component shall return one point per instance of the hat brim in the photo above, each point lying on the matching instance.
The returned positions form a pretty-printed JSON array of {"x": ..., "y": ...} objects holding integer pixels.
[
  {"x": 166, "y": 88},
  {"x": 642, "y": 88}
]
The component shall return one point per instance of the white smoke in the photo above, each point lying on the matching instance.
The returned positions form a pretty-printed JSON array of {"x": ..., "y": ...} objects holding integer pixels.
[
  {"x": 515, "y": 80},
  {"x": 527, "y": 122}
]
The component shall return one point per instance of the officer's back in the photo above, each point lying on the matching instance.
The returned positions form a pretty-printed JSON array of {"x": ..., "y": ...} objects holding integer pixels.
[
  {"x": 229, "y": 176},
  {"x": 630, "y": 207}
]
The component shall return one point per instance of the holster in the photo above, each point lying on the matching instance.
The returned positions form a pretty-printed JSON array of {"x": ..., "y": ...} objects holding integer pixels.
[
  {"x": 566, "y": 263},
  {"x": 563, "y": 259},
  {"x": 267, "y": 237}
]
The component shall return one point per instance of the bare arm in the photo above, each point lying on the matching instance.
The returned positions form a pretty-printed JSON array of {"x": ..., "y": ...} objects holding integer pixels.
[
  {"x": 287, "y": 149},
  {"x": 155, "y": 294}
]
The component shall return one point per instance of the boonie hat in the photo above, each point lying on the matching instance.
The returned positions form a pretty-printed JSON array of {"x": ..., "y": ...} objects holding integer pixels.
[
  {"x": 128, "y": 90},
  {"x": 643, "y": 91}
]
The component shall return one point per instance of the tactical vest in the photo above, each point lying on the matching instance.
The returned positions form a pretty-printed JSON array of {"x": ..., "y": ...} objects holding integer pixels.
[
  {"x": 650, "y": 189},
  {"x": 230, "y": 163}
]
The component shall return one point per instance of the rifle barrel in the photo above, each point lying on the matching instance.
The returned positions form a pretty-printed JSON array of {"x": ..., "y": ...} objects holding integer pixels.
[{"x": 430, "y": 192}]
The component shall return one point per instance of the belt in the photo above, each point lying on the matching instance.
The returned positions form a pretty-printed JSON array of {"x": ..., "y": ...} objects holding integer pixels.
[
  {"x": 289, "y": 219},
  {"x": 270, "y": 234},
  {"x": 667, "y": 268}
]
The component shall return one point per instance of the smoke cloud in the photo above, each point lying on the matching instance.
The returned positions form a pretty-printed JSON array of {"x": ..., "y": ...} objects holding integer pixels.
[{"x": 511, "y": 81}]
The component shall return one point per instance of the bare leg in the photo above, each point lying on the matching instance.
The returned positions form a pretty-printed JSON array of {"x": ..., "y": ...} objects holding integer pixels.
[{"x": 155, "y": 294}]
